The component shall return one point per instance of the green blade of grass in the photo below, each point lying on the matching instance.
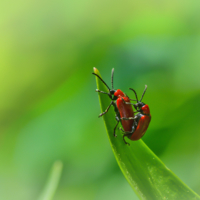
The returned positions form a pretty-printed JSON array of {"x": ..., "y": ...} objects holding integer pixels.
[
  {"x": 145, "y": 172},
  {"x": 52, "y": 182}
]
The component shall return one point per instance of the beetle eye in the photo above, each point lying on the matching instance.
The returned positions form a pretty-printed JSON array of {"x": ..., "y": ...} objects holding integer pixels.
[
  {"x": 140, "y": 104},
  {"x": 114, "y": 97}
]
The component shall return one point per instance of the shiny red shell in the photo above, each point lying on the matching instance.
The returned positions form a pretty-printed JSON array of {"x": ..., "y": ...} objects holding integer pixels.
[
  {"x": 125, "y": 110},
  {"x": 118, "y": 93},
  {"x": 142, "y": 124},
  {"x": 145, "y": 109}
]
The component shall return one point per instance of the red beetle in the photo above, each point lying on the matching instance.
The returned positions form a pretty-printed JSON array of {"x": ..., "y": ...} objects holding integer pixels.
[
  {"x": 141, "y": 120},
  {"x": 122, "y": 106}
]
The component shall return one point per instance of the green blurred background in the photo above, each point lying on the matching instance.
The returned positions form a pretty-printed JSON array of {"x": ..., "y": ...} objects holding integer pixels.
[{"x": 48, "y": 106}]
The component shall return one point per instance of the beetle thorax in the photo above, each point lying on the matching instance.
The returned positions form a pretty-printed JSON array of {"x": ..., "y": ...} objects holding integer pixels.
[
  {"x": 118, "y": 93},
  {"x": 145, "y": 109}
]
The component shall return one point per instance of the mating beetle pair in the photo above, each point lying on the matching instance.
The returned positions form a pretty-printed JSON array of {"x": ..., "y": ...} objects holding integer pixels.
[{"x": 134, "y": 126}]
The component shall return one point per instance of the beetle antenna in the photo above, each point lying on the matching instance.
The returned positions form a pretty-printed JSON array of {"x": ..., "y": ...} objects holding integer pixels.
[
  {"x": 112, "y": 74},
  {"x": 135, "y": 93},
  {"x": 101, "y": 80},
  {"x": 143, "y": 92},
  {"x": 132, "y": 99}
]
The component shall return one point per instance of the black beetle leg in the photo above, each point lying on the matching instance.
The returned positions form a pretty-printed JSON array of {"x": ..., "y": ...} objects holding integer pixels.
[
  {"x": 101, "y": 92},
  {"x": 116, "y": 125},
  {"x": 127, "y": 133},
  {"x": 106, "y": 109},
  {"x": 128, "y": 118}
]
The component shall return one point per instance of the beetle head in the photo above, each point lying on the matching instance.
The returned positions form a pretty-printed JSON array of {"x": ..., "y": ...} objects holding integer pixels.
[
  {"x": 139, "y": 105},
  {"x": 112, "y": 91}
]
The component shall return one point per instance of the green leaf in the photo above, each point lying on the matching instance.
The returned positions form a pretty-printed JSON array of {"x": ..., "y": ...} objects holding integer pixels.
[
  {"x": 145, "y": 172},
  {"x": 52, "y": 182}
]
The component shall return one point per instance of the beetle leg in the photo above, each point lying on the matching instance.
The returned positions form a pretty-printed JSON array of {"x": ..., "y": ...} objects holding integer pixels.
[
  {"x": 101, "y": 92},
  {"x": 116, "y": 125},
  {"x": 127, "y": 102},
  {"x": 128, "y": 118},
  {"x": 121, "y": 129},
  {"x": 123, "y": 100},
  {"x": 106, "y": 109},
  {"x": 132, "y": 99},
  {"x": 126, "y": 135}
]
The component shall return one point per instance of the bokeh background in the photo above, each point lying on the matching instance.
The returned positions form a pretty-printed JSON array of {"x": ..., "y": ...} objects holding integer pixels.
[{"x": 48, "y": 105}]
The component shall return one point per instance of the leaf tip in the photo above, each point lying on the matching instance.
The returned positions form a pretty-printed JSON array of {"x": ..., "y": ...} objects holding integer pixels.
[{"x": 95, "y": 70}]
